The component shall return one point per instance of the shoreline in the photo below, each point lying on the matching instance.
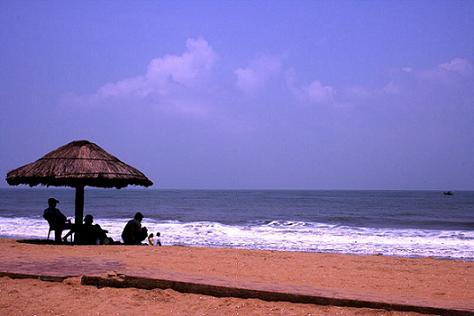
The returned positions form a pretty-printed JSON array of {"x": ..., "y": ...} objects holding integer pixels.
[
  {"x": 33, "y": 239},
  {"x": 408, "y": 225},
  {"x": 426, "y": 281}
]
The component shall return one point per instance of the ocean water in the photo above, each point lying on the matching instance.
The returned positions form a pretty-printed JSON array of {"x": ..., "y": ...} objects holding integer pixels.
[{"x": 400, "y": 223}]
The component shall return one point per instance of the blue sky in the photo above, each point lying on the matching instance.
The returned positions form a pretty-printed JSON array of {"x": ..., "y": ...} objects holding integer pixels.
[{"x": 246, "y": 95}]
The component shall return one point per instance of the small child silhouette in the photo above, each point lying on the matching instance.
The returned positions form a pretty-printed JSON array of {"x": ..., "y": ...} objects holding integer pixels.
[
  {"x": 151, "y": 239},
  {"x": 157, "y": 241}
]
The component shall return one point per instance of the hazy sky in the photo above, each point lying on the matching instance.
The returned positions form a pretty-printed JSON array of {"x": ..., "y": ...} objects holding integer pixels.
[{"x": 246, "y": 94}]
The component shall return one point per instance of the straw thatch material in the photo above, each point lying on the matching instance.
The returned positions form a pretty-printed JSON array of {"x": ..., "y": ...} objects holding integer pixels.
[{"x": 79, "y": 163}]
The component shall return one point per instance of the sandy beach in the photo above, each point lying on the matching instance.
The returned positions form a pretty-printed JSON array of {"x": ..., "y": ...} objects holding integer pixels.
[
  {"x": 33, "y": 297},
  {"x": 237, "y": 157},
  {"x": 443, "y": 283}
]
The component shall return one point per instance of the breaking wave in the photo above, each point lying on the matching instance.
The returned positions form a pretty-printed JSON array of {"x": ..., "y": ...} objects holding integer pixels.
[{"x": 282, "y": 235}]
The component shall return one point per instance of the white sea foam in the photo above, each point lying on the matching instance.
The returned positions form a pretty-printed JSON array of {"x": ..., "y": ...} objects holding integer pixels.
[{"x": 282, "y": 235}]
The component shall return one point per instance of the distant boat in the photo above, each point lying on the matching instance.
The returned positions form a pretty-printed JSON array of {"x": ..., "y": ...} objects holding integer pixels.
[{"x": 448, "y": 193}]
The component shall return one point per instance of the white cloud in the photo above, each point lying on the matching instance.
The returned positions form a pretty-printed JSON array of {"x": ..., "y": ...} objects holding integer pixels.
[
  {"x": 451, "y": 80},
  {"x": 186, "y": 68},
  {"x": 458, "y": 65},
  {"x": 248, "y": 79},
  {"x": 165, "y": 73},
  {"x": 137, "y": 86},
  {"x": 181, "y": 83},
  {"x": 319, "y": 93},
  {"x": 254, "y": 77},
  {"x": 314, "y": 92},
  {"x": 437, "y": 78}
]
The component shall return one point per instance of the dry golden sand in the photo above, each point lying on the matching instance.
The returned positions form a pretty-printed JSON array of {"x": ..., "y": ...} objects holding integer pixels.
[
  {"x": 442, "y": 283},
  {"x": 33, "y": 297}
]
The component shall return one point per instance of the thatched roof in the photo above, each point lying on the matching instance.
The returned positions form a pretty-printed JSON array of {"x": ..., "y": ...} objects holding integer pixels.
[{"x": 79, "y": 163}]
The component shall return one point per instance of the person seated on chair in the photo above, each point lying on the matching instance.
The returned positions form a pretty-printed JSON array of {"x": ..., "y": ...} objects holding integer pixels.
[
  {"x": 57, "y": 220},
  {"x": 133, "y": 233},
  {"x": 89, "y": 234}
]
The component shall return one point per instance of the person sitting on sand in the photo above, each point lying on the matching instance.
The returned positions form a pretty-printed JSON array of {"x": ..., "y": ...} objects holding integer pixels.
[
  {"x": 151, "y": 239},
  {"x": 89, "y": 234},
  {"x": 133, "y": 233},
  {"x": 156, "y": 241},
  {"x": 57, "y": 220}
]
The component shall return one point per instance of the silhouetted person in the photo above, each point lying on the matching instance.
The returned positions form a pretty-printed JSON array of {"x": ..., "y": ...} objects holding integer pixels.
[
  {"x": 57, "y": 220},
  {"x": 151, "y": 239},
  {"x": 133, "y": 233},
  {"x": 154, "y": 240},
  {"x": 89, "y": 234}
]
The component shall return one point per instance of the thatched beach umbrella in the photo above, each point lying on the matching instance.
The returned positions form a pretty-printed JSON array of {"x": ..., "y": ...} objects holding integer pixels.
[{"x": 78, "y": 164}]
